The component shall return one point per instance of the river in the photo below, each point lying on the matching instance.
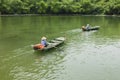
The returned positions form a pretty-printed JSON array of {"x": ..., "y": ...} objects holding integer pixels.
[{"x": 93, "y": 55}]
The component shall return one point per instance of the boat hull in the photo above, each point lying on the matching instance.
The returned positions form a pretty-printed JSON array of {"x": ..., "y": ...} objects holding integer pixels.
[
  {"x": 51, "y": 44},
  {"x": 92, "y": 28}
]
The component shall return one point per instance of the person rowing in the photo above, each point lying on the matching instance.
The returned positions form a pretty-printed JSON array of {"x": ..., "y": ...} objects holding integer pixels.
[
  {"x": 42, "y": 44},
  {"x": 44, "y": 41},
  {"x": 87, "y": 26}
]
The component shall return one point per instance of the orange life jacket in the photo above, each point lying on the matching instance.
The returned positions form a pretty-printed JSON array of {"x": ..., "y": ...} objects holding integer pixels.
[{"x": 39, "y": 46}]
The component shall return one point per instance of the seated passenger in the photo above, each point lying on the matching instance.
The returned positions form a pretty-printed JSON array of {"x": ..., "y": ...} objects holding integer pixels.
[
  {"x": 43, "y": 41},
  {"x": 88, "y": 26}
]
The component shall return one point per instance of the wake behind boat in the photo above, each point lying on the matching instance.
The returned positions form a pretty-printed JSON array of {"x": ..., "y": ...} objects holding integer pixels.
[{"x": 51, "y": 44}]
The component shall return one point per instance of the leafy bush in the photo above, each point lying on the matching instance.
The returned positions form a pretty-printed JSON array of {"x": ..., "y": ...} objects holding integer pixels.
[{"x": 110, "y": 7}]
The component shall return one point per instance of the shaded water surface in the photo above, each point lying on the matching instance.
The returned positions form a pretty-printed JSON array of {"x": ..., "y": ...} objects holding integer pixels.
[{"x": 83, "y": 56}]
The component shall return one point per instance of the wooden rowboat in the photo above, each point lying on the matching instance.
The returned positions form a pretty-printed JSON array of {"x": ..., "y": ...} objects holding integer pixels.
[
  {"x": 91, "y": 28},
  {"x": 51, "y": 44}
]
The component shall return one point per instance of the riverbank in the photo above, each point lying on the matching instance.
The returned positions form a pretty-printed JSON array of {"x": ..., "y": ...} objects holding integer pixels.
[{"x": 54, "y": 15}]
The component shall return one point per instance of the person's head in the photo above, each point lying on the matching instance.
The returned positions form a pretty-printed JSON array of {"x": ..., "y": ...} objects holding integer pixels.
[
  {"x": 87, "y": 24},
  {"x": 43, "y": 38}
]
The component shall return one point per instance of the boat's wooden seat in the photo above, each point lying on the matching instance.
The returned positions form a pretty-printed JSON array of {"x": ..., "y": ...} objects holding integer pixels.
[{"x": 54, "y": 41}]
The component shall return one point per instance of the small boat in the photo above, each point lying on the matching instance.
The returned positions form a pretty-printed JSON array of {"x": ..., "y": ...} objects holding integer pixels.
[
  {"x": 51, "y": 44},
  {"x": 91, "y": 28}
]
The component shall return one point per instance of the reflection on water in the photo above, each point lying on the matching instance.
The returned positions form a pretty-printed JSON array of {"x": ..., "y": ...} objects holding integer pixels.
[
  {"x": 89, "y": 59},
  {"x": 84, "y": 56}
]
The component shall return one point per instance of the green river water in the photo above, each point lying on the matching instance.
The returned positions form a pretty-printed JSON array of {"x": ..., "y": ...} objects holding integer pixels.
[{"x": 93, "y": 55}]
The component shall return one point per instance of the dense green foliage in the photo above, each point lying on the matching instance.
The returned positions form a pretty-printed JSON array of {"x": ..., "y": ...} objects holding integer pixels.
[{"x": 110, "y": 7}]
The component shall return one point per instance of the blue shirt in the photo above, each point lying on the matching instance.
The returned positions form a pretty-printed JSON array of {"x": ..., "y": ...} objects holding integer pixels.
[{"x": 44, "y": 42}]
